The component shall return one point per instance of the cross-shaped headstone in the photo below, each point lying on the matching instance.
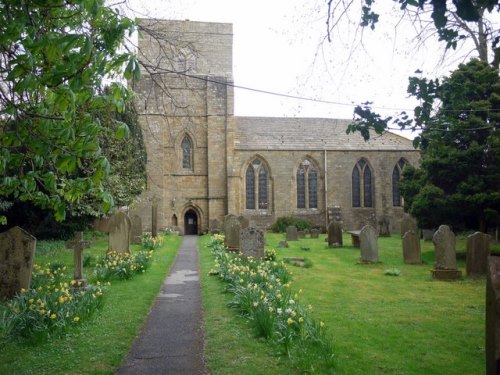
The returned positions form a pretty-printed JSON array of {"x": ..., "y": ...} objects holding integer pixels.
[{"x": 78, "y": 244}]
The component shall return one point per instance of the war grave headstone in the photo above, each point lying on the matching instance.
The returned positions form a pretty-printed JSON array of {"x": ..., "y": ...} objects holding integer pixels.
[
  {"x": 17, "y": 251},
  {"x": 368, "y": 244},
  {"x": 492, "y": 337},
  {"x": 478, "y": 250},
  {"x": 136, "y": 229},
  {"x": 232, "y": 227},
  {"x": 411, "y": 248},
  {"x": 252, "y": 242},
  {"x": 119, "y": 233},
  {"x": 291, "y": 233},
  {"x": 446, "y": 256},
  {"x": 335, "y": 234},
  {"x": 408, "y": 223},
  {"x": 384, "y": 227},
  {"x": 78, "y": 244},
  {"x": 314, "y": 233}
]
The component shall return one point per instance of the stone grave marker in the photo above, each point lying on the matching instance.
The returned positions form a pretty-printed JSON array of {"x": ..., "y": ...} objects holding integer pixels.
[
  {"x": 301, "y": 234},
  {"x": 291, "y": 233},
  {"x": 314, "y": 233},
  {"x": 478, "y": 250},
  {"x": 78, "y": 244},
  {"x": 368, "y": 244},
  {"x": 136, "y": 229},
  {"x": 408, "y": 223},
  {"x": 384, "y": 227},
  {"x": 335, "y": 234},
  {"x": 244, "y": 222},
  {"x": 252, "y": 242},
  {"x": 283, "y": 244},
  {"x": 119, "y": 233},
  {"x": 17, "y": 251},
  {"x": 232, "y": 227},
  {"x": 214, "y": 226},
  {"x": 492, "y": 339},
  {"x": 446, "y": 256},
  {"x": 411, "y": 248}
]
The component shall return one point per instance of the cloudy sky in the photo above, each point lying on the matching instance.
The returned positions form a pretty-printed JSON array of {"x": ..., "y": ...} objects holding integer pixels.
[{"x": 280, "y": 46}]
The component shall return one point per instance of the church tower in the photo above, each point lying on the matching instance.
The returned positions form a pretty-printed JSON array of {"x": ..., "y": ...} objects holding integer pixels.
[{"x": 185, "y": 104}]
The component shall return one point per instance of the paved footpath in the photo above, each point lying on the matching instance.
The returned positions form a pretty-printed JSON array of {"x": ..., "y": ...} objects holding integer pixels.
[{"x": 171, "y": 340}]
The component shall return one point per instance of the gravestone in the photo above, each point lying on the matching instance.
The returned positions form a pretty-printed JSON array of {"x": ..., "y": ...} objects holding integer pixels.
[
  {"x": 335, "y": 234},
  {"x": 283, "y": 244},
  {"x": 78, "y": 244},
  {"x": 17, "y": 251},
  {"x": 427, "y": 234},
  {"x": 244, "y": 222},
  {"x": 314, "y": 233},
  {"x": 232, "y": 227},
  {"x": 291, "y": 233},
  {"x": 252, "y": 242},
  {"x": 136, "y": 229},
  {"x": 384, "y": 227},
  {"x": 478, "y": 250},
  {"x": 408, "y": 223},
  {"x": 301, "y": 234},
  {"x": 368, "y": 244},
  {"x": 411, "y": 248},
  {"x": 446, "y": 257},
  {"x": 119, "y": 233},
  {"x": 492, "y": 339}
]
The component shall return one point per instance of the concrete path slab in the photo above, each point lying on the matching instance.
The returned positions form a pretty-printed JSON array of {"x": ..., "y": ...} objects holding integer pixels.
[{"x": 171, "y": 340}]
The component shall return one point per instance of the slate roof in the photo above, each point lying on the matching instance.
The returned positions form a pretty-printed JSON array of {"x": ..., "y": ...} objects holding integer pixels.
[{"x": 282, "y": 133}]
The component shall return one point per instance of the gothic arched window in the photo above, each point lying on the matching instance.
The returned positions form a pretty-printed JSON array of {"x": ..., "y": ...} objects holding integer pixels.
[
  {"x": 187, "y": 153},
  {"x": 307, "y": 185},
  {"x": 396, "y": 177},
  {"x": 256, "y": 186},
  {"x": 362, "y": 186}
]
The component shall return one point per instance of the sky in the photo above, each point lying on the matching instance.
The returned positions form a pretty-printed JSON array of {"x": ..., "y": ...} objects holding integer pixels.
[{"x": 280, "y": 46}]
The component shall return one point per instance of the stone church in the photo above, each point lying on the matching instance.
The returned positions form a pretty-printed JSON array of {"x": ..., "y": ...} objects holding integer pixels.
[{"x": 204, "y": 162}]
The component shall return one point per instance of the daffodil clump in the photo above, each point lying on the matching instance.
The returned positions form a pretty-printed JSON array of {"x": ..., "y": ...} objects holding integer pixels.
[
  {"x": 262, "y": 292},
  {"x": 122, "y": 265},
  {"x": 151, "y": 242},
  {"x": 52, "y": 305}
]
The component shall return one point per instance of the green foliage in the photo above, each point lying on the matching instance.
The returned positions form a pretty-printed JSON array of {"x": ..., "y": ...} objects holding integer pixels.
[
  {"x": 54, "y": 57},
  {"x": 151, "y": 243},
  {"x": 458, "y": 181},
  {"x": 270, "y": 255},
  {"x": 283, "y": 222},
  {"x": 50, "y": 307},
  {"x": 122, "y": 265}
]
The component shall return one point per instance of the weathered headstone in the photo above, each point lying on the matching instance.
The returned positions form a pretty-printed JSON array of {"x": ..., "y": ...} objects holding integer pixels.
[
  {"x": 252, "y": 242},
  {"x": 136, "y": 229},
  {"x": 411, "y": 248},
  {"x": 78, "y": 244},
  {"x": 478, "y": 250},
  {"x": 119, "y": 233},
  {"x": 232, "y": 227},
  {"x": 408, "y": 223},
  {"x": 244, "y": 222},
  {"x": 301, "y": 234},
  {"x": 446, "y": 256},
  {"x": 384, "y": 230},
  {"x": 368, "y": 244},
  {"x": 291, "y": 233},
  {"x": 314, "y": 233},
  {"x": 283, "y": 244},
  {"x": 17, "y": 251},
  {"x": 493, "y": 316},
  {"x": 335, "y": 234}
]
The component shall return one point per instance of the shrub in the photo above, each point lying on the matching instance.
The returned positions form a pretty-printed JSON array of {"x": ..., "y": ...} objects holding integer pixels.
[
  {"x": 122, "y": 265},
  {"x": 283, "y": 222},
  {"x": 151, "y": 243}
]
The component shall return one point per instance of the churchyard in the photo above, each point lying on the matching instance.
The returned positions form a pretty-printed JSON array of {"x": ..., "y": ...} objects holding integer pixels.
[{"x": 388, "y": 316}]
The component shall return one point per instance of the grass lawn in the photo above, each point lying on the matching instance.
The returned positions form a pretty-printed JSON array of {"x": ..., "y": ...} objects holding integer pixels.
[
  {"x": 98, "y": 346},
  {"x": 406, "y": 324}
]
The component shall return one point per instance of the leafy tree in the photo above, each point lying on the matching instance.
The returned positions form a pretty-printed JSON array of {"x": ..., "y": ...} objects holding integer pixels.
[
  {"x": 458, "y": 181},
  {"x": 54, "y": 55}
]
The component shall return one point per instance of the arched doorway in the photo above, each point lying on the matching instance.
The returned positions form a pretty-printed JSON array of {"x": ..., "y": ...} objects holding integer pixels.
[{"x": 190, "y": 222}]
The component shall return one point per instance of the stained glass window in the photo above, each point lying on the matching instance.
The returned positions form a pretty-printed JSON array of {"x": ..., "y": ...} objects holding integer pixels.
[
  {"x": 313, "y": 188},
  {"x": 362, "y": 186},
  {"x": 256, "y": 186},
  {"x": 396, "y": 177},
  {"x": 250, "y": 188},
  {"x": 356, "y": 196},
  {"x": 187, "y": 153},
  {"x": 301, "y": 188}
]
